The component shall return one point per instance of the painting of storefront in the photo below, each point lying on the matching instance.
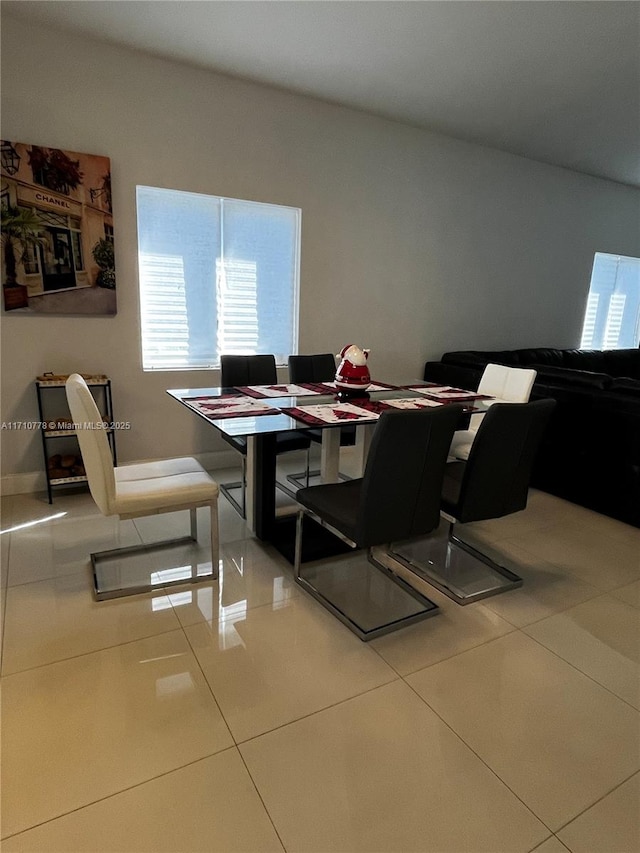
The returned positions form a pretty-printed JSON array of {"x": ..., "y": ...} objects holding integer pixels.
[{"x": 57, "y": 231}]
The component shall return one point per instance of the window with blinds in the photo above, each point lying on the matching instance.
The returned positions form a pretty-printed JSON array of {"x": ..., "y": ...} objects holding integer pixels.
[
  {"x": 217, "y": 276},
  {"x": 612, "y": 315}
]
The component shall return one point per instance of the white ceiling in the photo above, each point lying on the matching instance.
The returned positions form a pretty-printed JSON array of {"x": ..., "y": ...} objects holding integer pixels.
[{"x": 557, "y": 82}]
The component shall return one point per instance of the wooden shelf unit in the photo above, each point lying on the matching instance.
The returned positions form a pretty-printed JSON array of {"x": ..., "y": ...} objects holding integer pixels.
[{"x": 50, "y": 424}]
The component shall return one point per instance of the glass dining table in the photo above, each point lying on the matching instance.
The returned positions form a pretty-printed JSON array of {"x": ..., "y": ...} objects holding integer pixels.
[{"x": 258, "y": 413}]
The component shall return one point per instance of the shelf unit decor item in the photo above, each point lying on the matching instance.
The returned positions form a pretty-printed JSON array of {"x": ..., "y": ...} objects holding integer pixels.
[{"x": 62, "y": 459}]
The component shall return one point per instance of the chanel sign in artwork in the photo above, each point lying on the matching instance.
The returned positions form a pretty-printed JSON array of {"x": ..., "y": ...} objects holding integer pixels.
[{"x": 57, "y": 231}]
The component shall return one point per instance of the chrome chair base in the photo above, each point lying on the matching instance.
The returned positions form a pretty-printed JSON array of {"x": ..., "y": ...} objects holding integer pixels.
[
  {"x": 240, "y": 507},
  {"x": 225, "y": 489},
  {"x": 364, "y": 595},
  {"x": 454, "y": 567},
  {"x": 303, "y": 478},
  {"x": 115, "y": 579}
]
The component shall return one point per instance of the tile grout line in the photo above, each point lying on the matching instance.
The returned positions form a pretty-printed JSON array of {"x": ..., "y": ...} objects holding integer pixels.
[
  {"x": 317, "y": 711},
  {"x": 5, "y": 590},
  {"x": 264, "y": 805},
  {"x": 209, "y": 687},
  {"x": 90, "y": 652},
  {"x": 451, "y": 656},
  {"x": 606, "y": 794},
  {"x": 581, "y": 672},
  {"x": 479, "y": 757},
  {"x": 118, "y": 792},
  {"x": 565, "y": 570},
  {"x": 595, "y": 802},
  {"x": 598, "y": 594},
  {"x": 229, "y": 729},
  {"x": 4, "y": 608}
]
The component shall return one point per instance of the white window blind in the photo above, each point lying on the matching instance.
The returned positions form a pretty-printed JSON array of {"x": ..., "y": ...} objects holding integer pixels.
[
  {"x": 612, "y": 315},
  {"x": 589, "y": 325},
  {"x": 217, "y": 276}
]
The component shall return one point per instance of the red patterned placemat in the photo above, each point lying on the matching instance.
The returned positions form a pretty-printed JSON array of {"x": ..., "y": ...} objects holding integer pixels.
[
  {"x": 332, "y": 388},
  {"x": 447, "y": 393},
  {"x": 364, "y": 411},
  {"x": 261, "y": 392},
  {"x": 229, "y": 406}
]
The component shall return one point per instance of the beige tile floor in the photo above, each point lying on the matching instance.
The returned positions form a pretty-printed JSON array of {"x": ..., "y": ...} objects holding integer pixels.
[{"x": 239, "y": 715}]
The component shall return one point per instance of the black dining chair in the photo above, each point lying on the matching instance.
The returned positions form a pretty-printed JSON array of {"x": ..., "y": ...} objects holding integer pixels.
[
  {"x": 319, "y": 367},
  {"x": 397, "y": 498},
  {"x": 239, "y": 371},
  {"x": 493, "y": 483}
]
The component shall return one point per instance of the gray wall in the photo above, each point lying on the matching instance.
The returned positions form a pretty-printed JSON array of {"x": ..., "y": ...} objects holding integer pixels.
[{"x": 412, "y": 243}]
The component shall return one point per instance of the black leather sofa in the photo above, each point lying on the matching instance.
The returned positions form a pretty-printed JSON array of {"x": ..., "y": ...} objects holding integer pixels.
[{"x": 591, "y": 451}]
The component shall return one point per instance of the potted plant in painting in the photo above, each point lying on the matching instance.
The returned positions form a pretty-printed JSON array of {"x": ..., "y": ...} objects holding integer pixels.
[
  {"x": 20, "y": 235},
  {"x": 103, "y": 255}
]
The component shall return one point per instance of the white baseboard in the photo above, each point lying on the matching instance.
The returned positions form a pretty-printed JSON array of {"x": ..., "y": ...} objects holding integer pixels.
[
  {"x": 22, "y": 484},
  {"x": 35, "y": 481}
]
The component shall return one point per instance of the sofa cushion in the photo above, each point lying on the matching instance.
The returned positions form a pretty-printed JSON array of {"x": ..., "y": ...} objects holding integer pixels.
[
  {"x": 565, "y": 376},
  {"x": 585, "y": 359},
  {"x": 622, "y": 362},
  {"x": 625, "y": 385},
  {"x": 540, "y": 355},
  {"x": 477, "y": 358}
]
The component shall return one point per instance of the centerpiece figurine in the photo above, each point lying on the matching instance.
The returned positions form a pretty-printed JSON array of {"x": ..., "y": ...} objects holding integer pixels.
[{"x": 352, "y": 377}]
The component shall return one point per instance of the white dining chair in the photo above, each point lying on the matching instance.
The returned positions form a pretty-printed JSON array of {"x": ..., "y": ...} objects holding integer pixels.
[
  {"x": 505, "y": 385},
  {"x": 137, "y": 490}
]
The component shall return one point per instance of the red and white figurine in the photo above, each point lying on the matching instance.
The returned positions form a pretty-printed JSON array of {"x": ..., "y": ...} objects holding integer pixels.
[{"x": 353, "y": 372}]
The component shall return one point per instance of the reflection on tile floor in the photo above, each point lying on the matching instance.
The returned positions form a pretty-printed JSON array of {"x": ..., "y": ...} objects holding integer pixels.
[{"x": 239, "y": 715}]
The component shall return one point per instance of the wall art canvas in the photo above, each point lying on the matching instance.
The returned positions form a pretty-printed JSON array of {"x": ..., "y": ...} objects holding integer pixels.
[{"x": 57, "y": 231}]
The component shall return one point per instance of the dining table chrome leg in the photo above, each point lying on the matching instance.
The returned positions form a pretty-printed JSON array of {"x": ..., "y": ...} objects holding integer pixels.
[{"x": 330, "y": 456}]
